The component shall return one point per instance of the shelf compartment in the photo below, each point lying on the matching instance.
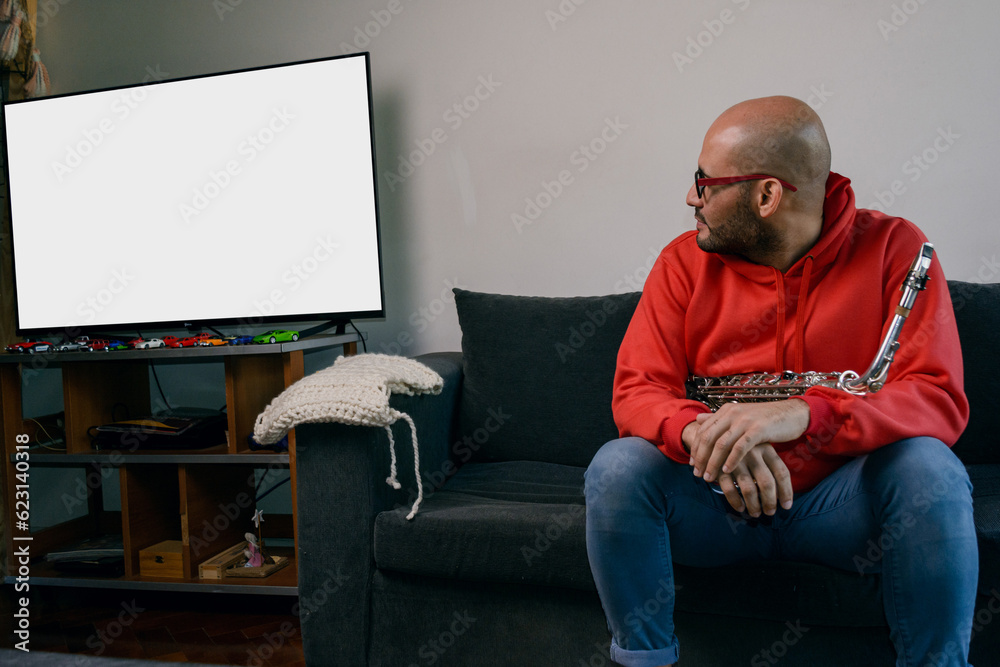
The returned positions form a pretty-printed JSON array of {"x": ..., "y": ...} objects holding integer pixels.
[
  {"x": 251, "y": 382},
  {"x": 150, "y": 509},
  {"x": 92, "y": 390},
  {"x": 216, "y": 510}
]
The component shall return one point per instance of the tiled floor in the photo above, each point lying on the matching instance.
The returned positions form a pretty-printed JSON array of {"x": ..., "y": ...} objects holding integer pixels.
[{"x": 215, "y": 629}]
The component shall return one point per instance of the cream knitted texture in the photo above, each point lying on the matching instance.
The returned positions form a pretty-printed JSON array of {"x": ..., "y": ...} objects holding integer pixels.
[{"x": 354, "y": 391}]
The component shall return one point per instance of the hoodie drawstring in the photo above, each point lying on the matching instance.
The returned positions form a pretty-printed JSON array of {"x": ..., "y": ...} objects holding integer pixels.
[
  {"x": 779, "y": 345},
  {"x": 800, "y": 318},
  {"x": 800, "y": 315}
]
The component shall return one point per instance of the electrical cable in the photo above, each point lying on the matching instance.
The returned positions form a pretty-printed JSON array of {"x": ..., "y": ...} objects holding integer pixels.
[
  {"x": 264, "y": 495},
  {"x": 47, "y": 445},
  {"x": 156, "y": 378},
  {"x": 364, "y": 346}
]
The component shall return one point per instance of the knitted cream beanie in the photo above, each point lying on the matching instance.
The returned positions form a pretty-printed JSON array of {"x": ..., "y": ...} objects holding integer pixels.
[{"x": 354, "y": 391}]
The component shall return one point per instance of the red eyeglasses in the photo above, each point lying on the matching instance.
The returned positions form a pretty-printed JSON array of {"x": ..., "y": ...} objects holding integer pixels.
[{"x": 701, "y": 181}]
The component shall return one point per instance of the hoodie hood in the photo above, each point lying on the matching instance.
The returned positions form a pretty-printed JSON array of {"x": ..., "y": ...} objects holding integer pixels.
[{"x": 838, "y": 214}]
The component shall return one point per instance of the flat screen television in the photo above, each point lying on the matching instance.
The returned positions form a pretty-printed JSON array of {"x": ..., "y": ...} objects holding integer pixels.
[{"x": 244, "y": 197}]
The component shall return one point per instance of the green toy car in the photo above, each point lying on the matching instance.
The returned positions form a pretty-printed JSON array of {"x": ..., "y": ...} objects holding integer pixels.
[{"x": 276, "y": 336}]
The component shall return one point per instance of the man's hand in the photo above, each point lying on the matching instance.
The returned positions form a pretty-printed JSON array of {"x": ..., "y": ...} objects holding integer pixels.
[
  {"x": 763, "y": 481},
  {"x": 722, "y": 439}
]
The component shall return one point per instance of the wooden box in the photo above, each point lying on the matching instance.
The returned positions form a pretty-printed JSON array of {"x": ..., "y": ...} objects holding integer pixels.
[
  {"x": 215, "y": 567},
  {"x": 162, "y": 560}
]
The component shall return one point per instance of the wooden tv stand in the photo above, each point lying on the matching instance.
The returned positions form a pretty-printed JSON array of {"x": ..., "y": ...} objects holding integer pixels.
[{"x": 203, "y": 497}]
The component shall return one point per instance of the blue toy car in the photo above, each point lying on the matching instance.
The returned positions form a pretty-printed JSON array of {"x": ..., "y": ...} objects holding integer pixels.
[{"x": 239, "y": 340}]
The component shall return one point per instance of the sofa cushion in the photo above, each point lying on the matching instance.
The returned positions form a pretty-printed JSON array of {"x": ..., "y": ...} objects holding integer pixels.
[
  {"x": 513, "y": 521},
  {"x": 518, "y": 351},
  {"x": 525, "y": 522},
  {"x": 977, "y": 311}
]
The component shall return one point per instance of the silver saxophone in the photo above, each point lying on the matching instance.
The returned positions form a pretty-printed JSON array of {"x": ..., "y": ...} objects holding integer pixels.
[{"x": 759, "y": 387}]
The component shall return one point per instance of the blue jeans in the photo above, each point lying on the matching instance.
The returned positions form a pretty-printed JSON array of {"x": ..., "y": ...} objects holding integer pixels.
[{"x": 904, "y": 510}]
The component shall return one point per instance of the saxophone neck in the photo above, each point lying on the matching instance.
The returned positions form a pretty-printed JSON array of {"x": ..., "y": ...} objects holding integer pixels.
[
  {"x": 914, "y": 282},
  {"x": 916, "y": 278}
]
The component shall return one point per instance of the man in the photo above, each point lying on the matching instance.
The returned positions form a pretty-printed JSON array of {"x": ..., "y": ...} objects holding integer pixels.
[{"x": 783, "y": 272}]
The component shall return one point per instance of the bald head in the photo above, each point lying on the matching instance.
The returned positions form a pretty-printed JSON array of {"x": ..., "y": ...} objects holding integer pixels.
[{"x": 779, "y": 136}]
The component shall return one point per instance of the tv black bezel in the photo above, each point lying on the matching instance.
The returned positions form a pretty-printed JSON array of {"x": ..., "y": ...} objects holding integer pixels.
[{"x": 72, "y": 331}]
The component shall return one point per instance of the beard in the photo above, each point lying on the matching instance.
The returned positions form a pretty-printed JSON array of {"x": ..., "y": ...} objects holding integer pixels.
[{"x": 742, "y": 233}]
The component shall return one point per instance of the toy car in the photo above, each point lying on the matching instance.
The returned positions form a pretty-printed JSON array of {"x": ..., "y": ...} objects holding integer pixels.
[
  {"x": 81, "y": 344},
  {"x": 190, "y": 341},
  {"x": 210, "y": 342},
  {"x": 148, "y": 344},
  {"x": 238, "y": 340},
  {"x": 115, "y": 345},
  {"x": 169, "y": 340},
  {"x": 99, "y": 344},
  {"x": 276, "y": 336},
  {"x": 30, "y": 347}
]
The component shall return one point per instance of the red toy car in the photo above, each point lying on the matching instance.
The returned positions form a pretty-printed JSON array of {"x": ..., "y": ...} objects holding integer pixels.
[{"x": 190, "y": 341}]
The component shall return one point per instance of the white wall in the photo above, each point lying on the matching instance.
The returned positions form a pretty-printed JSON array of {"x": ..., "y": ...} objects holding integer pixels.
[{"x": 893, "y": 80}]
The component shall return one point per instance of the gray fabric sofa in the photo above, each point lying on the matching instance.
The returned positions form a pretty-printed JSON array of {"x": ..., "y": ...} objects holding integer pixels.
[{"x": 493, "y": 570}]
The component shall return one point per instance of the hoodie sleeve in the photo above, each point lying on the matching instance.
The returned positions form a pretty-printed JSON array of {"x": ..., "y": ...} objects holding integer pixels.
[
  {"x": 923, "y": 394},
  {"x": 649, "y": 395}
]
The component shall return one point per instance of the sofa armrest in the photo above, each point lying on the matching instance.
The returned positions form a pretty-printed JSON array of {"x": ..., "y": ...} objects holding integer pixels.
[
  {"x": 340, "y": 489},
  {"x": 977, "y": 314}
]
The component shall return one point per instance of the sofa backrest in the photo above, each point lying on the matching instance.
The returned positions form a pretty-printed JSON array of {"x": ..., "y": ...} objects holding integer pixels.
[
  {"x": 537, "y": 375},
  {"x": 977, "y": 311}
]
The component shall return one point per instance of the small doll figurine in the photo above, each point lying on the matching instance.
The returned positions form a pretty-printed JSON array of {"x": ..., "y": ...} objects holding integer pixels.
[
  {"x": 254, "y": 556},
  {"x": 258, "y": 518}
]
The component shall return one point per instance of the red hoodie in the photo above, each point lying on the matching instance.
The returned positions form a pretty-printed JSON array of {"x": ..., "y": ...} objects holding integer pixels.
[{"x": 709, "y": 314}]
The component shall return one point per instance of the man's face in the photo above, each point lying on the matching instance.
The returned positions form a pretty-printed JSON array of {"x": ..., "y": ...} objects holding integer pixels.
[
  {"x": 726, "y": 220},
  {"x": 732, "y": 227}
]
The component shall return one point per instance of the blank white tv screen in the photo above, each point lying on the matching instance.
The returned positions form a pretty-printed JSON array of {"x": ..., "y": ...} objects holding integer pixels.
[{"x": 240, "y": 197}]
